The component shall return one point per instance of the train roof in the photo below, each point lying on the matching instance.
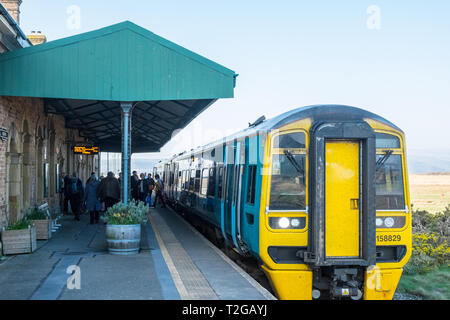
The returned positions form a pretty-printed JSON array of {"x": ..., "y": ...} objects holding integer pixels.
[{"x": 316, "y": 112}]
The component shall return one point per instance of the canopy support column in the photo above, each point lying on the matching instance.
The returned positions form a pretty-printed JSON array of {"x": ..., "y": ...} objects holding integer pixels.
[{"x": 126, "y": 150}]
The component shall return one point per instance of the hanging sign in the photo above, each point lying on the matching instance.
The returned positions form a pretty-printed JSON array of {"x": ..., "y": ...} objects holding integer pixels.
[{"x": 87, "y": 150}]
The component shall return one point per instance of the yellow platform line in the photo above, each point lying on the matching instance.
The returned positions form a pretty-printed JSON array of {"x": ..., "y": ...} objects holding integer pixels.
[{"x": 169, "y": 262}]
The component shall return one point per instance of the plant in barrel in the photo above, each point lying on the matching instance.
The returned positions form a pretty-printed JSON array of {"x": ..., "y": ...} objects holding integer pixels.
[{"x": 123, "y": 229}]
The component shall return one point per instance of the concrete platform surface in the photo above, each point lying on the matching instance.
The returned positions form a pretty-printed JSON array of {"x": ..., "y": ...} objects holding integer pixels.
[{"x": 175, "y": 262}]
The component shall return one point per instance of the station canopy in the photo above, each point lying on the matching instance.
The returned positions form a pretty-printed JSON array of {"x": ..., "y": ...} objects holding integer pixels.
[{"x": 86, "y": 77}]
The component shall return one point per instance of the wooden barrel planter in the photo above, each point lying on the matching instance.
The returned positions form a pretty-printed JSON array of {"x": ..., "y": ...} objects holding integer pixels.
[
  {"x": 19, "y": 241},
  {"x": 43, "y": 229},
  {"x": 123, "y": 239}
]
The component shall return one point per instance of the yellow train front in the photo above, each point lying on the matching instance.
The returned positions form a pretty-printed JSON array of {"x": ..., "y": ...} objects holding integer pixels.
[
  {"x": 337, "y": 221},
  {"x": 319, "y": 195}
]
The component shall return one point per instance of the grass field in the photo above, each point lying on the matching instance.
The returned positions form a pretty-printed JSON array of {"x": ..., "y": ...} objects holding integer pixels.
[
  {"x": 434, "y": 285},
  {"x": 430, "y": 192}
]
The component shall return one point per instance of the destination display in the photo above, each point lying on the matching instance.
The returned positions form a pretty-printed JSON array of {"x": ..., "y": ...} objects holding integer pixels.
[{"x": 87, "y": 150}]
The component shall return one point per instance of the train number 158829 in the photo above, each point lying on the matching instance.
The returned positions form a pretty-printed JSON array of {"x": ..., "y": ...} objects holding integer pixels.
[{"x": 388, "y": 238}]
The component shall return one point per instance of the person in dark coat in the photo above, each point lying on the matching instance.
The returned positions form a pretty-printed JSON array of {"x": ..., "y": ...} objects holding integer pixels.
[
  {"x": 66, "y": 190},
  {"x": 135, "y": 186},
  {"x": 90, "y": 198},
  {"x": 143, "y": 188},
  {"x": 151, "y": 186},
  {"x": 76, "y": 195},
  {"x": 109, "y": 191}
]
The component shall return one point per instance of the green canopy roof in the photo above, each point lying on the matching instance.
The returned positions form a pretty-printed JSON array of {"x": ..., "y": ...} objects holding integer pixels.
[
  {"x": 84, "y": 77},
  {"x": 123, "y": 62}
]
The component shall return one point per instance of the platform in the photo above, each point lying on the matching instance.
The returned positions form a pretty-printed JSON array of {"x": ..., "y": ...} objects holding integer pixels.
[{"x": 175, "y": 262}]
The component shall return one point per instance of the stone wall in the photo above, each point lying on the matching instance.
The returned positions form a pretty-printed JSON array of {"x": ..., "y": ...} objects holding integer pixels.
[{"x": 37, "y": 148}]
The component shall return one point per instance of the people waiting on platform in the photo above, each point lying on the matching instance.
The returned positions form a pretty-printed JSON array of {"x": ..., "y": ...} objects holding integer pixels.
[
  {"x": 135, "y": 186},
  {"x": 93, "y": 205},
  {"x": 66, "y": 191},
  {"x": 76, "y": 195},
  {"x": 151, "y": 186},
  {"x": 159, "y": 189},
  {"x": 143, "y": 187},
  {"x": 109, "y": 191}
]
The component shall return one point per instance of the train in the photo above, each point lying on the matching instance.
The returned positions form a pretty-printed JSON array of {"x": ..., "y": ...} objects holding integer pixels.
[{"x": 319, "y": 196}]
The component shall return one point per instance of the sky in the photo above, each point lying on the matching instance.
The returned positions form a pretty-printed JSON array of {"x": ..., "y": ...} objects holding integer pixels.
[{"x": 389, "y": 57}]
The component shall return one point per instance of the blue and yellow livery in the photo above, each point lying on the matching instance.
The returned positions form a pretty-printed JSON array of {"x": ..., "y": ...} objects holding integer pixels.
[{"x": 318, "y": 195}]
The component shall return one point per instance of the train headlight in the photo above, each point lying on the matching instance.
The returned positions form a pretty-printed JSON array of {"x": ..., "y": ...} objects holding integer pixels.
[
  {"x": 284, "y": 223},
  {"x": 287, "y": 222},
  {"x": 389, "y": 222},
  {"x": 379, "y": 222},
  {"x": 295, "y": 222}
]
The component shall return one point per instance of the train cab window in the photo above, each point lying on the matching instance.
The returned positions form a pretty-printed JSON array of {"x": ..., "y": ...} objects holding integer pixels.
[
  {"x": 290, "y": 140},
  {"x": 205, "y": 178},
  {"x": 251, "y": 185},
  {"x": 387, "y": 141},
  {"x": 288, "y": 187},
  {"x": 212, "y": 182},
  {"x": 389, "y": 182}
]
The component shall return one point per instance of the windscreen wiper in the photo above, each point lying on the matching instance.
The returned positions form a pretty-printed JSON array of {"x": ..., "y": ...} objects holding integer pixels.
[
  {"x": 294, "y": 163},
  {"x": 382, "y": 160}
]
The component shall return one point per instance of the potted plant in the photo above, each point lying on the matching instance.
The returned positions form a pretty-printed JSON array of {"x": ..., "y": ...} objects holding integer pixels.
[
  {"x": 123, "y": 228},
  {"x": 19, "y": 237},
  {"x": 42, "y": 223}
]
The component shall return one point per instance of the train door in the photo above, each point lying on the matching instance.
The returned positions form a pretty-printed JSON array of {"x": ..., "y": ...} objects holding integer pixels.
[
  {"x": 342, "y": 193},
  {"x": 342, "y": 168}
]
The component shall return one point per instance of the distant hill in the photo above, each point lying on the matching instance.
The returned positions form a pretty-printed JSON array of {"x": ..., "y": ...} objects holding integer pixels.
[
  {"x": 418, "y": 162},
  {"x": 428, "y": 162}
]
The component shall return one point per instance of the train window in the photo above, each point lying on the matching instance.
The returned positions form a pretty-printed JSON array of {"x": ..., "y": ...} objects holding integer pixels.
[
  {"x": 251, "y": 185},
  {"x": 220, "y": 183},
  {"x": 389, "y": 182},
  {"x": 192, "y": 181},
  {"x": 205, "y": 178},
  {"x": 288, "y": 188},
  {"x": 197, "y": 181},
  {"x": 386, "y": 141},
  {"x": 212, "y": 182},
  {"x": 290, "y": 140}
]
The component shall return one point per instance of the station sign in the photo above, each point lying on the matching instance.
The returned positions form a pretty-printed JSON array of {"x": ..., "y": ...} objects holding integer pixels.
[{"x": 86, "y": 150}]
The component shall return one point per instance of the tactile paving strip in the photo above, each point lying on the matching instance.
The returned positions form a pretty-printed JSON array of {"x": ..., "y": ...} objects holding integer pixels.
[{"x": 190, "y": 282}]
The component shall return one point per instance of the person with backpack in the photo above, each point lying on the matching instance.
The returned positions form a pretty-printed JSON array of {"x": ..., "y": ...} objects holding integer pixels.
[
  {"x": 76, "y": 195},
  {"x": 109, "y": 191},
  {"x": 159, "y": 189}
]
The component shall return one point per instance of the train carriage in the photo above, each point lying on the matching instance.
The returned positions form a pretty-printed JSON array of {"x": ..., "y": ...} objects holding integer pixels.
[{"x": 319, "y": 195}]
